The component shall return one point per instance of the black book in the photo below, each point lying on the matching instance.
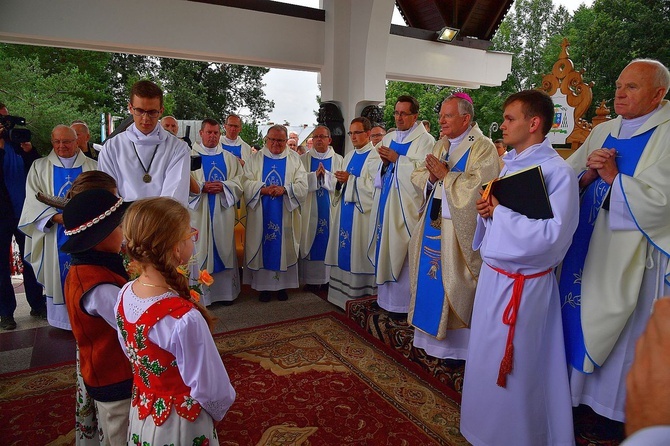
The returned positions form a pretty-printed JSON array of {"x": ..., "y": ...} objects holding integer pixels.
[
  {"x": 524, "y": 192},
  {"x": 196, "y": 163}
]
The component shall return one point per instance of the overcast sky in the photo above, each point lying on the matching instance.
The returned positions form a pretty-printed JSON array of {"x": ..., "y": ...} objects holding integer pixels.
[{"x": 295, "y": 92}]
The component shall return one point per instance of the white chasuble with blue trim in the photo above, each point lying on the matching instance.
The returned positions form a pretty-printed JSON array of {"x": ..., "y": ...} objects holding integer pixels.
[
  {"x": 214, "y": 169},
  {"x": 347, "y": 209},
  {"x": 235, "y": 150},
  {"x": 387, "y": 183},
  {"x": 593, "y": 198},
  {"x": 274, "y": 171},
  {"x": 318, "y": 250},
  {"x": 63, "y": 179}
]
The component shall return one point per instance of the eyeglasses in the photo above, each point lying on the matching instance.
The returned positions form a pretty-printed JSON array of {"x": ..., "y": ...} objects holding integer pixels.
[
  {"x": 278, "y": 141},
  {"x": 66, "y": 142},
  {"x": 142, "y": 112},
  {"x": 377, "y": 135},
  {"x": 235, "y": 126},
  {"x": 355, "y": 132},
  {"x": 193, "y": 235},
  {"x": 320, "y": 137},
  {"x": 402, "y": 114},
  {"x": 447, "y": 116}
]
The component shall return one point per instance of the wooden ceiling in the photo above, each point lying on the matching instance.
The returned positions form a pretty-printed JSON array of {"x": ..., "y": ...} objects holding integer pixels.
[{"x": 474, "y": 18}]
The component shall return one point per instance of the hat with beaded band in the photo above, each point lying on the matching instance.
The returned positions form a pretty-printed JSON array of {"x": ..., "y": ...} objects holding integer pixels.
[{"x": 89, "y": 217}]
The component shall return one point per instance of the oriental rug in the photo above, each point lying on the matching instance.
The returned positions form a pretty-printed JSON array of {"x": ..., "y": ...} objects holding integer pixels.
[
  {"x": 591, "y": 429},
  {"x": 313, "y": 381}
]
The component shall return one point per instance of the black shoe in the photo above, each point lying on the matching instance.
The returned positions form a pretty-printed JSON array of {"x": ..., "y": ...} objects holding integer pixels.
[
  {"x": 39, "y": 314},
  {"x": 265, "y": 296},
  {"x": 324, "y": 287},
  {"x": 310, "y": 288},
  {"x": 282, "y": 296},
  {"x": 227, "y": 303},
  {"x": 397, "y": 316},
  {"x": 7, "y": 323}
]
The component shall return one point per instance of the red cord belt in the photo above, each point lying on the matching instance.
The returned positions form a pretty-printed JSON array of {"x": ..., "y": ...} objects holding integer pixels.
[{"x": 509, "y": 318}]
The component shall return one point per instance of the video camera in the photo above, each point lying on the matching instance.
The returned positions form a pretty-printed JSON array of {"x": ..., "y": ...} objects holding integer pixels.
[{"x": 11, "y": 134}]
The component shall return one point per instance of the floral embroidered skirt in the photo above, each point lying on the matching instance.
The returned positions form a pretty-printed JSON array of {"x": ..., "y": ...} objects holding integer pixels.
[{"x": 175, "y": 431}]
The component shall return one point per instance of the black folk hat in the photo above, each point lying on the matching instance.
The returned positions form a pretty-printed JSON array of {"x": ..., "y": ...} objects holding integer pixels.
[{"x": 89, "y": 217}]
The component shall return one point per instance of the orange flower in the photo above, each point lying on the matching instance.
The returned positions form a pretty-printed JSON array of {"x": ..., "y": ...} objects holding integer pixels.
[
  {"x": 183, "y": 270},
  {"x": 206, "y": 278},
  {"x": 134, "y": 269},
  {"x": 195, "y": 295}
]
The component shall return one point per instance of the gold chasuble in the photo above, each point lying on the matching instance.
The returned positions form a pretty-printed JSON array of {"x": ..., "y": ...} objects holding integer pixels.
[{"x": 472, "y": 163}]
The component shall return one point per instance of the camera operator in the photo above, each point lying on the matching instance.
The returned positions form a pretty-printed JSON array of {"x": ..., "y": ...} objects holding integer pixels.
[{"x": 15, "y": 159}]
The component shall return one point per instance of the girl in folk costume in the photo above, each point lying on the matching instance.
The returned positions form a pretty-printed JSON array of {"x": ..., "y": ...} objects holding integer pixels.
[{"x": 180, "y": 386}]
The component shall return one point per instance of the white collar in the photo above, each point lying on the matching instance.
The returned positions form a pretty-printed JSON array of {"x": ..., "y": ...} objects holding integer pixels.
[
  {"x": 630, "y": 126},
  {"x": 400, "y": 135}
]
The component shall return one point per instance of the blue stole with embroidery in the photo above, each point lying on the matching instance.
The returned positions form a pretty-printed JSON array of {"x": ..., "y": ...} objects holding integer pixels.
[
  {"x": 387, "y": 181},
  {"x": 274, "y": 171},
  {"x": 570, "y": 284},
  {"x": 429, "y": 301},
  {"x": 235, "y": 150},
  {"x": 354, "y": 168},
  {"x": 318, "y": 250},
  {"x": 214, "y": 169},
  {"x": 63, "y": 178}
]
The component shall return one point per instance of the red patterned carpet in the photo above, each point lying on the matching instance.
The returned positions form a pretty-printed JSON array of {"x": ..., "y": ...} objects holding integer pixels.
[
  {"x": 590, "y": 428},
  {"x": 313, "y": 381}
]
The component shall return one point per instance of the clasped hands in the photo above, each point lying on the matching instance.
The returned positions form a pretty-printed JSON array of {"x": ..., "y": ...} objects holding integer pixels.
[
  {"x": 342, "y": 176},
  {"x": 212, "y": 187},
  {"x": 273, "y": 191},
  {"x": 437, "y": 169},
  {"x": 600, "y": 163},
  {"x": 388, "y": 155}
]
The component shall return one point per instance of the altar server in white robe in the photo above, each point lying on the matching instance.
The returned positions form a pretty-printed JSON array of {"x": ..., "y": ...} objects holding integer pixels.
[
  {"x": 516, "y": 390},
  {"x": 146, "y": 160},
  {"x": 396, "y": 207},
  {"x": 320, "y": 162},
  {"x": 619, "y": 258},
  {"x": 443, "y": 265},
  {"x": 43, "y": 224},
  {"x": 213, "y": 213},
  {"x": 351, "y": 273},
  {"x": 275, "y": 186}
]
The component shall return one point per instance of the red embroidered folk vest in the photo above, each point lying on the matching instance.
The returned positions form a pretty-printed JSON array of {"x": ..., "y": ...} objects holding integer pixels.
[
  {"x": 103, "y": 363},
  {"x": 157, "y": 384}
]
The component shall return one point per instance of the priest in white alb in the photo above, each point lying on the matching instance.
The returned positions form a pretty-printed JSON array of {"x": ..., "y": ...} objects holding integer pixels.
[
  {"x": 213, "y": 213},
  {"x": 618, "y": 264},
  {"x": 43, "y": 224},
  {"x": 320, "y": 162},
  {"x": 395, "y": 211},
  {"x": 275, "y": 186},
  {"x": 443, "y": 266},
  {"x": 352, "y": 275}
]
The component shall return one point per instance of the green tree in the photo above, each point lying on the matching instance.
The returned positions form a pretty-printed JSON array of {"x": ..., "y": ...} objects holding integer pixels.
[
  {"x": 607, "y": 36},
  {"x": 99, "y": 82},
  {"x": 204, "y": 89},
  {"x": 251, "y": 134},
  {"x": 429, "y": 97},
  {"x": 44, "y": 99}
]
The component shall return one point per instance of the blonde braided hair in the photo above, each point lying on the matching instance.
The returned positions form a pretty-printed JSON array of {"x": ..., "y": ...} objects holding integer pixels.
[{"x": 152, "y": 228}]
